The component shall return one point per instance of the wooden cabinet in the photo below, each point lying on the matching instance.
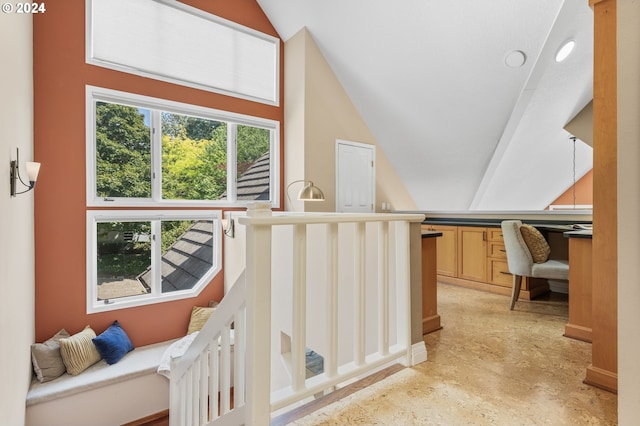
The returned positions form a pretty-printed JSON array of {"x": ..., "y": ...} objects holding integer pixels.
[
  {"x": 497, "y": 266},
  {"x": 472, "y": 253},
  {"x": 447, "y": 249},
  {"x": 475, "y": 257}
]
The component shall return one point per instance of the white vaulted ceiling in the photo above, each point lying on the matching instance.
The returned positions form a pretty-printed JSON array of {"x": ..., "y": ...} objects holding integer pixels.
[{"x": 462, "y": 129}]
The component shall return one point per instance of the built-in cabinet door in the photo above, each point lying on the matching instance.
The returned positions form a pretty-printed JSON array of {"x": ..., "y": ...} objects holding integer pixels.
[
  {"x": 499, "y": 273},
  {"x": 446, "y": 249},
  {"x": 472, "y": 253}
]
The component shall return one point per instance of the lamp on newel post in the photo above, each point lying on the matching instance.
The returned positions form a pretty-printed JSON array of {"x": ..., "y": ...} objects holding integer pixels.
[{"x": 309, "y": 192}]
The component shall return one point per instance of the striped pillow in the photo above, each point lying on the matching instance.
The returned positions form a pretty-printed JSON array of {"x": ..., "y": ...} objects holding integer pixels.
[{"x": 78, "y": 351}]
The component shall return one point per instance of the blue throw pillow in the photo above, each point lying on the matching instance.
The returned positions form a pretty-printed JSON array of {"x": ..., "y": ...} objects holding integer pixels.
[{"x": 113, "y": 343}]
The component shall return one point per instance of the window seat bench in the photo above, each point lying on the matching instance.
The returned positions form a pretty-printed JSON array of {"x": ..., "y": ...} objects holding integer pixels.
[{"x": 103, "y": 394}]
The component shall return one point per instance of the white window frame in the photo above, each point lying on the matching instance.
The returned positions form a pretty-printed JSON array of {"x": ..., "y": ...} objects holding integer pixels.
[
  {"x": 94, "y": 94},
  {"x": 251, "y": 70},
  {"x": 156, "y": 295}
]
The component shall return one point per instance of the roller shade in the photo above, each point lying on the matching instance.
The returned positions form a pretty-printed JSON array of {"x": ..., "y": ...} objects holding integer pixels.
[{"x": 177, "y": 43}]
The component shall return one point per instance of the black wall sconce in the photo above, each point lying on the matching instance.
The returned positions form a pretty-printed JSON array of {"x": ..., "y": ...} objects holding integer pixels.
[{"x": 14, "y": 174}]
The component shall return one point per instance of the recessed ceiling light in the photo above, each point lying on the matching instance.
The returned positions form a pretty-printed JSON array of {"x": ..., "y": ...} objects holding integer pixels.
[
  {"x": 565, "y": 50},
  {"x": 515, "y": 59}
]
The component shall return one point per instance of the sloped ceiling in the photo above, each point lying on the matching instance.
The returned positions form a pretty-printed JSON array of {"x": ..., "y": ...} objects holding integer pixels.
[{"x": 463, "y": 130}]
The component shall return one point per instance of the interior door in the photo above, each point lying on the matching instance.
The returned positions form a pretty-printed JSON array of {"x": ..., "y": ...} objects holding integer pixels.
[{"x": 355, "y": 180}]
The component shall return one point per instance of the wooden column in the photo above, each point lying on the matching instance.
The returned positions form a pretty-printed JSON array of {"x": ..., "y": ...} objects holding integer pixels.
[
  {"x": 603, "y": 372},
  {"x": 580, "y": 286},
  {"x": 430, "y": 317}
]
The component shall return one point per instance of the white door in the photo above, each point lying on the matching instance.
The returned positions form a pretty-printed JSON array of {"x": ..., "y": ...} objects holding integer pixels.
[{"x": 355, "y": 180}]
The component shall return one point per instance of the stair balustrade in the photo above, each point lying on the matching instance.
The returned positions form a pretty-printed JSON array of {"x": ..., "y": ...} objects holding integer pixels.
[{"x": 312, "y": 280}]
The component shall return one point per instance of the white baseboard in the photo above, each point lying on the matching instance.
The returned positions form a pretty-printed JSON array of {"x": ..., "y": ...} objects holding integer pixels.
[{"x": 418, "y": 353}]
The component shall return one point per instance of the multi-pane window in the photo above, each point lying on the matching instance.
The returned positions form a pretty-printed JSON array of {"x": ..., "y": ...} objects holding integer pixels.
[
  {"x": 141, "y": 257},
  {"x": 146, "y": 153}
]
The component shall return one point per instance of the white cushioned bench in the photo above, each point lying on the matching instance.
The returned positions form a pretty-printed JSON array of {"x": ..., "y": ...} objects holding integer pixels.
[{"x": 103, "y": 394}]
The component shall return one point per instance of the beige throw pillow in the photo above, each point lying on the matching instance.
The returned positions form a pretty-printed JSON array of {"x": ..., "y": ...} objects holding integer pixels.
[
  {"x": 46, "y": 358},
  {"x": 199, "y": 316},
  {"x": 78, "y": 351},
  {"x": 536, "y": 243}
]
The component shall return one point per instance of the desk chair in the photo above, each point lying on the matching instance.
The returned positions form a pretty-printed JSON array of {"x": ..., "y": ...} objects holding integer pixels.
[{"x": 522, "y": 263}]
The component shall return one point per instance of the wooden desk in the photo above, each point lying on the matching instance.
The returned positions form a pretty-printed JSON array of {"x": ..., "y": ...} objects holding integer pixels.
[
  {"x": 430, "y": 317},
  {"x": 580, "y": 284}
]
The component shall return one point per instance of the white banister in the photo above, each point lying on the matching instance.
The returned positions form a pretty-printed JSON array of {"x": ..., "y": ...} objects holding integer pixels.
[{"x": 360, "y": 271}]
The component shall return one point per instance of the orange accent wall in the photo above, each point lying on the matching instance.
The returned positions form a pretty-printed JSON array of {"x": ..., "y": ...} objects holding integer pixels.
[
  {"x": 60, "y": 76},
  {"x": 584, "y": 192}
]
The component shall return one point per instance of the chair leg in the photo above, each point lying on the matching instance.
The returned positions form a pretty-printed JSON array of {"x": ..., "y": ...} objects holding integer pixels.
[{"x": 515, "y": 291}]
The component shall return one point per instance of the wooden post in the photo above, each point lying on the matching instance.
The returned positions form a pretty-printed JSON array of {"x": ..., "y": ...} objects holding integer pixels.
[
  {"x": 430, "y": 316},
  {"x": 603, "y": 372}
]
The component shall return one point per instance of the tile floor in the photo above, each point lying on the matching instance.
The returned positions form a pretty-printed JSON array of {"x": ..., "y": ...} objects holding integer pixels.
[{"x": 487, "y": 366}]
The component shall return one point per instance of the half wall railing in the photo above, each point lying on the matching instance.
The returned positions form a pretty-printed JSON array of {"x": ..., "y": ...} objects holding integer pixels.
[{"x": 338, "y": 284}]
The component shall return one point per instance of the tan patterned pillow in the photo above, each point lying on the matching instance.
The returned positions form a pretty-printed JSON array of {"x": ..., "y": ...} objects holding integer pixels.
[
  {"x": 78, "y": 351},
  {"x": 199, "y": 316},
  {"x": 536, "y": 243},
  {"x": 46, "y": 358}
]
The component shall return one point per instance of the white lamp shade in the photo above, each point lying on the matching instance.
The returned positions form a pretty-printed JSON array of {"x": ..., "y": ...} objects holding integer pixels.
[{"x": 32, "y": 171}]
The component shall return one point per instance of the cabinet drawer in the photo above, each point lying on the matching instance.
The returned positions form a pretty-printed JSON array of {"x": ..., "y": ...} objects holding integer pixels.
[
  {"x": 497, "y": 250},
  {"x": 499, "y": 273},
  {"x": 494, "y": 234}
]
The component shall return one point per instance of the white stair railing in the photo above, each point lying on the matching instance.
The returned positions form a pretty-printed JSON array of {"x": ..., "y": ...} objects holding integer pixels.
[
  {"x": 200, "y": 380},
  {"x": 201, "y": 391}
]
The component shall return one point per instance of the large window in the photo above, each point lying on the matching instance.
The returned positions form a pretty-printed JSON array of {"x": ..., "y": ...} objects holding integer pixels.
[
  {"x": 148, "y": 160},
  {"x": 141, "y": 257},
  {"x": 149, "y": 152}
]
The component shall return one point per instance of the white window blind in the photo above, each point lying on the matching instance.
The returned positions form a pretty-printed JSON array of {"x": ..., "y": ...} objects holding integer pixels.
[{"x": 177, "y": 43}]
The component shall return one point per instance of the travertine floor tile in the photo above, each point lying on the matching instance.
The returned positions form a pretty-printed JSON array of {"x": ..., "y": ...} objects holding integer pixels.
[{"x": 487, "y": 366}]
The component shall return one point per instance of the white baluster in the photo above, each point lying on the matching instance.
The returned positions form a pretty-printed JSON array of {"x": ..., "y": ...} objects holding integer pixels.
[
  {"x": 238, "y": 360},
  {"x": 383, "y": 288},
  {"x": 359, "y": 296},
  {"x": 331, "y": 359},
  {"x": 204, "y": 384},
  {"x": 225, "y": 371},
  {"x": 188, "y": 396},
  {"x": 298, "y": 338},
  {"x": 403, "y": 289},
  {"x": 194, "y": 400},
  {"x": 175, "y": 397},
  {"x": 214, "y": 379}
]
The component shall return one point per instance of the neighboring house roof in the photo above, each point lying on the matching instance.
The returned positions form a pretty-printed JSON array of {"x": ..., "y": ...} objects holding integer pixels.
[
  {"x": 191, "y": 256},
  {"x": 186, "y": 260},
  {"x": 253, "y": 184}
]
